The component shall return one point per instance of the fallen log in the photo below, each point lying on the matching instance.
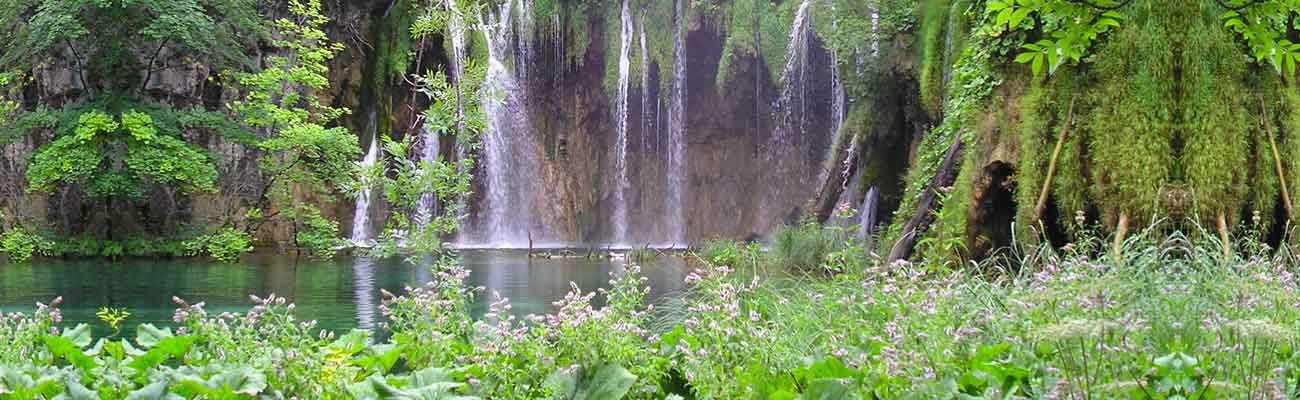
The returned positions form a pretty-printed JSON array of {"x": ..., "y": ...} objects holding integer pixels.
[
  {"x": 921, "y": 219},
  {"x": 837, "y": 180}
]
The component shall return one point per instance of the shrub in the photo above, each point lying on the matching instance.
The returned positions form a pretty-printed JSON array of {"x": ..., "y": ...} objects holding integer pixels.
[
  {"x": 720, "y": 252},
  {"x": 804, "y": 246},
  {"x": 20, "y": 245},
  {"x": 225, "y": 245}
]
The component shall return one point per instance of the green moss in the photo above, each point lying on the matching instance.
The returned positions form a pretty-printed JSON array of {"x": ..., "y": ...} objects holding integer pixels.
[
  {"x": 1035, "y": 149},
  {"x": 973, "y": 79},
  {"x": 772, "y": 23},
  {"x": 932, "y": 47},
  {"x": 1215, "y": 158},
  {"x": 1131, "y": 129}
]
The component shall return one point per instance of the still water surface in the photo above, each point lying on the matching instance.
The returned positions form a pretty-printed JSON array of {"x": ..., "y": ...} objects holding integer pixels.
[{"x": 341, "y": 294}]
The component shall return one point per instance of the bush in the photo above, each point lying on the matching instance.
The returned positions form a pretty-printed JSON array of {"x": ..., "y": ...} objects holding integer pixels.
[
  {"x": 720, "y": 252},
  {"x": 20, "y": 245},
  {"x": 225, "y": 245},
  {"x": 804, "y": 246}
]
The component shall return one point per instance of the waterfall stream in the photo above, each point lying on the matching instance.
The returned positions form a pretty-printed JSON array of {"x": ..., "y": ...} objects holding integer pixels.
[
  {"x": 793, "y": 102},
  {"x": 361, "y": 216},
  {"x": 621, "y": 183},
  {"x": 676, "y": 213},
  {"x": 868, "y": 214},
  {"x": 428, "y": 206},
  {"x": 510, "y": 161}
]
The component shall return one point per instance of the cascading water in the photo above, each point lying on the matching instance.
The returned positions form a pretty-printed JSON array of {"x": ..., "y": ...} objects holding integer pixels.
[
  {"x": 428, "y": 205},
  {"x": 620, "y": 108},
  {"x": 783, "y": 153},
  {"x": 868, "y": 214},
  {"x": 524, "y": 38},
  {"x": 676, "y": 214},
  {"x": 645, "y": 87},
  {"x": 456, "y": 31},
  {"x": 793, "y": 101},
  {"x": 510, "y": 162},
  {"x": 361, "y": 216}
]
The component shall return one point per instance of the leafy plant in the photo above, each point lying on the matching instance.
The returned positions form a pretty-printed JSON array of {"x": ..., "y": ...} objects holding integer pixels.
[
  {"x": 1068, "y": 28},
  {"x": 20, "y": 244}
]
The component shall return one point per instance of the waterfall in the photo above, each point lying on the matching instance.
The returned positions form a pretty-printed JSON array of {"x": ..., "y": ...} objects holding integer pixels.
[
  {"x": 676, "y": 214},
  {"x": 620, "y": 108},
  {"x": 510, "y": 162},
  {"x": 868, "y": 214},
  {"x": 875, "y": 33},
  {"x": 645, "y": 87},
  {"x": 361, "y": 216},
  {"x": 524, "y": 38},
  {"x": 838, "y": 98},
  {"x": 428, "y": 205},
  {"x": 793, "y": 100}
]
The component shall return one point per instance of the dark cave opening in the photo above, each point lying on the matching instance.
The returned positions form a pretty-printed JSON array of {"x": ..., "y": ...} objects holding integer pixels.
[{"x": 994, "y": 211}]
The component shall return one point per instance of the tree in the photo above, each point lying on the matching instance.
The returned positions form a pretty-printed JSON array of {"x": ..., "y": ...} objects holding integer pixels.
[
  {"x": 114, "y": 144},
  {"x": 299, "y": 151}
]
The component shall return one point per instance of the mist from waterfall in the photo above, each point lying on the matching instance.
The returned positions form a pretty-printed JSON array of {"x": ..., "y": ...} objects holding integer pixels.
[
  {"x": 621, "y": 183},
  {"x": 675, "y": 210},
  {"x": 510, "y": 163},
  {"x": 361, "y": 216}
]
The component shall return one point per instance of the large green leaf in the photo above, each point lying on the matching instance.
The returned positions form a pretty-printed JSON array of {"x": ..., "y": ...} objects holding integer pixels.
[{"x": 611, "y": 382}]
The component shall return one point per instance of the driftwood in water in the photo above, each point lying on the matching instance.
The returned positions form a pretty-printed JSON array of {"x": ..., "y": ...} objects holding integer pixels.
[
  {"x": 943, "y": 177},
  {"x": 1051, "y": 166},
  {"x": 843, "y": 166}
]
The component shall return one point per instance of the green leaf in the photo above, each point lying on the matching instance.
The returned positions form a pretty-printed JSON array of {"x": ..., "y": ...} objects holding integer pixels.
[
  {"x": 611, "y": 382},
  {"x": 1015, "y": 18},
  {"x": 148, "y": 336},
  {"x": 79, "y": 335},
  {"x": 61, "y": 347}
]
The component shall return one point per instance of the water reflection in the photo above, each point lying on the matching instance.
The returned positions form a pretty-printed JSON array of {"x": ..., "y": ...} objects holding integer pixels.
[
  {"x": 363, "y": 272},
  {"x": 340, "y": 294}
]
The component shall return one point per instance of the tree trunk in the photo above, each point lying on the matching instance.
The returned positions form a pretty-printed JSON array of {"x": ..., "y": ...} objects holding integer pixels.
[
  {"x": 1224, "y": 238},
  {"x": 944, "y": 176},
  {"x": 1121, "y": 229}
]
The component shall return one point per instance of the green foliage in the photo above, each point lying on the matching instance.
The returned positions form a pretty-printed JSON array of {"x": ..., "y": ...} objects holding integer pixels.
[
  {"x": 1068, "y": 29},
  {"x": 1264, "y": 25},
  {"x": 313, "y": 232},
  {"x": 1132, "y": 124},
  {"x": 112, "y": 158},
  {"x": 973, "y": 80},
  {"x": 19, "y": 244},
  {"x": 1214, "y": 116},
  {"x": 720, "y": 252},
  {"x": 806, "y": 246},
  {"x": 299, "y": 151},
  {"x": 933, "y": 23},
  {"x": 225, "y": 245}
]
